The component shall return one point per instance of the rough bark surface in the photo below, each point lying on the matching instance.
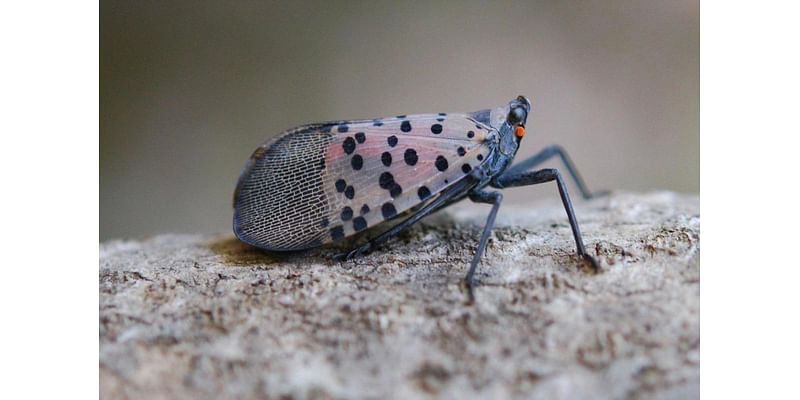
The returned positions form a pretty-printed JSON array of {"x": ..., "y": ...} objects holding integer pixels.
[{"x": 204, "y": 316}]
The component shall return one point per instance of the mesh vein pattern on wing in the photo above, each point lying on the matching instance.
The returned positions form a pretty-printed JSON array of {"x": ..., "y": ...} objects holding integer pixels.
[{"x": 280, "y": 200}]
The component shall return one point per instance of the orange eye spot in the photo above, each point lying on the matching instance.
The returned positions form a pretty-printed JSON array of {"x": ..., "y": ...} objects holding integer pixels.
[{"x": 519, "y": 132}]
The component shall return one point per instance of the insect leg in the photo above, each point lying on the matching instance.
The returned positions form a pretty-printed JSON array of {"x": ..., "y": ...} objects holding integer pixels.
[
  {"x": 548, "y": 153},
  {"x": 493, "y": 198},
  {"x": 434, "y": 205},
  {"x": 511, "y": 179}
]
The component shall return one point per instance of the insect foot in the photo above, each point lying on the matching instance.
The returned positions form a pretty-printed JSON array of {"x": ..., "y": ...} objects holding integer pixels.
[
  {"x": 469, "y": 287},
  {"x": 590, "y": 263},
  {"x": 351, "y": 254}
]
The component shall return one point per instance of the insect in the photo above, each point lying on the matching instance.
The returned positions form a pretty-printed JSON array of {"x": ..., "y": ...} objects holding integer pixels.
[{"x": 320, "y": 183}]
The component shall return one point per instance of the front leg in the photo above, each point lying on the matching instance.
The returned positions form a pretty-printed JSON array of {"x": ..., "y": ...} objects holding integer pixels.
[
  {"x": 548, "y": 153},
  {"x": 512, "y": 179}
]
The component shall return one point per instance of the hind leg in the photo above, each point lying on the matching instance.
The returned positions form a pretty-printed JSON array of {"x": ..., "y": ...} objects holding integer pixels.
[{"x": 513, "y": 179}]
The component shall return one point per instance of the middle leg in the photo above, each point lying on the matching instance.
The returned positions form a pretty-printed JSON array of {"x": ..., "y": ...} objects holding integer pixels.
[{"x": 493, "y": 198}]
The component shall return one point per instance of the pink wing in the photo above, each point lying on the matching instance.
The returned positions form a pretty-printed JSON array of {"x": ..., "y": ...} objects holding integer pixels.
[{"x": 321, "y": 183}]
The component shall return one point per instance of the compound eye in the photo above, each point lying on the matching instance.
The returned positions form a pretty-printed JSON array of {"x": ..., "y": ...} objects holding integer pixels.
[{"x": 516, "y": 115}]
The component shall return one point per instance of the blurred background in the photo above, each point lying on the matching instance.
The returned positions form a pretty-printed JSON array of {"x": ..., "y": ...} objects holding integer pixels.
[{"x": 188, "y": 89}]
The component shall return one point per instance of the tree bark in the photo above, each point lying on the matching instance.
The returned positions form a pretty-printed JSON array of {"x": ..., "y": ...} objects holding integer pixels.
[{"x": 205, "y": 316}]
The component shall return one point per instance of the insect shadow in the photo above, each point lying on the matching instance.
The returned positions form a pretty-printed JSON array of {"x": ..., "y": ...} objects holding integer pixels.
[{"x": 237, "y": 254}]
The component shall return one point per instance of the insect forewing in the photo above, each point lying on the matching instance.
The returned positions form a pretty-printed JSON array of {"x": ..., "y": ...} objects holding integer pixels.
[{"x": 320, "y": 183}]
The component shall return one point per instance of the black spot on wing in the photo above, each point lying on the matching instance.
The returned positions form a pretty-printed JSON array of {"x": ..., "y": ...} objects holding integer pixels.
[
  {"x": 392, "y": 140},
  {"x": 359, "y": 224},
  {"x": 350, "y": 192},
  {"x": 341, "y": 184},
  {"x": 470, "y": 134},
  {"x": 410, "y": 156},
  {"x": 325, "y": 128},
  {"x": 343, "y": 128},
  {"x": 386, "y": 180},
  {"x": 364, "y": 209},
  {"x": 337, "y": 232},
  {"x": 357, "y": 162},
  {"x": 347, "y": 214},
  {"x": 436, "y": 128},
  {"x": 441, "y": 163},
  {"x": 386, "y": 158},
  {"x": 388, "y": 210},
  {"x": 423, "y": 193},
  {"x": 349, "y": 145},
  {"x": 361, "y": 137},
  {"x": 466, "y": 168},
  {"x": 461, "y": 151},
  {"x": 405, "y": 126},
  {"x": 395, "y": 190}
]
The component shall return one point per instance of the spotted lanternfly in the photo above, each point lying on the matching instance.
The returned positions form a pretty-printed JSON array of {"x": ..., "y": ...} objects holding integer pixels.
[{"x": 320, "y": 183}]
